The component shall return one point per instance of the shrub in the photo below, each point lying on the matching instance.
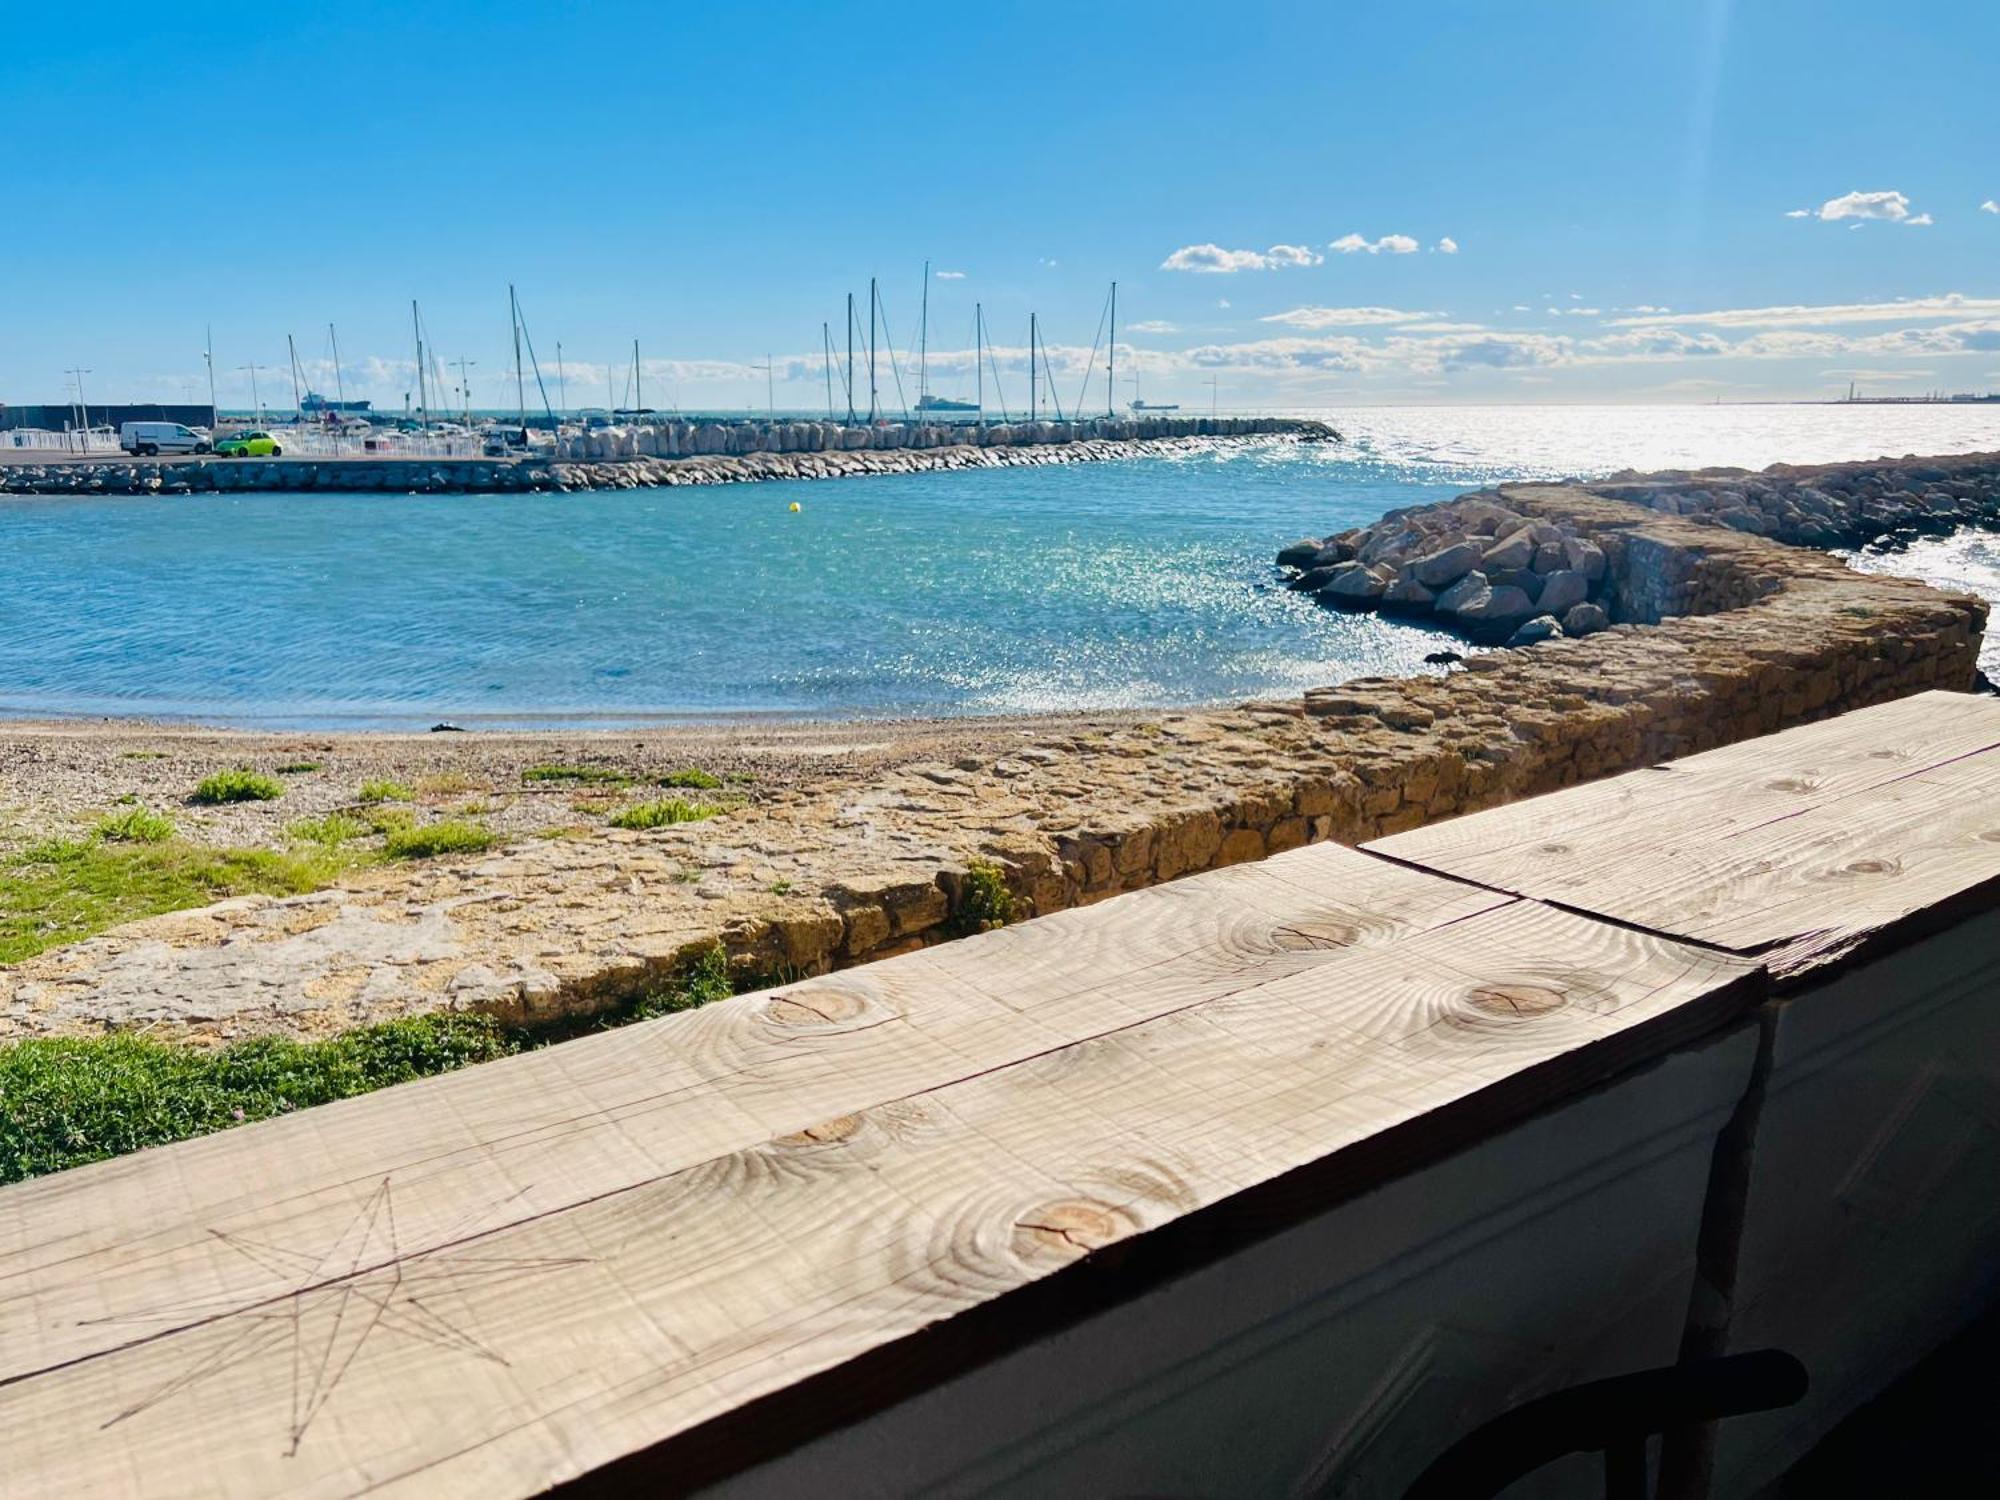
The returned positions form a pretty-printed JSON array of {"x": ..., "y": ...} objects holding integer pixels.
[
  {"x": 298, "y": 768},
  {"x": 700, "y": 982},
  {"x": 694, "y": 777},
  {"x": 661, "y": 814},
  {"x": 237, "y": 786},
  {"x": 984, "y": 902},
  {"x": 598, "y": 775},
  {"x": 135, "y": 827},
  {"x": 385, "y": 791},
  {"x": 426, "y": 840},
  {"x": 333, "y": 830}
]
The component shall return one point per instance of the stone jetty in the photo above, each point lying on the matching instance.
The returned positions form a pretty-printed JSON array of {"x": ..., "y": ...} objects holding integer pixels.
[
  {"x": 679, "y": 453},
  {"x": 1481, "y": 566}
]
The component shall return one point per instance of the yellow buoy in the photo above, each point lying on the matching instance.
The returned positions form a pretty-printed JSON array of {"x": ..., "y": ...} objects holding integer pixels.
[{"x": 795, "y": 507}]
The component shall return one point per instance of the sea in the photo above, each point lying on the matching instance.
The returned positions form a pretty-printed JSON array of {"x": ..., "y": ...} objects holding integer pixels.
[{"x": 1137, "y": 583}]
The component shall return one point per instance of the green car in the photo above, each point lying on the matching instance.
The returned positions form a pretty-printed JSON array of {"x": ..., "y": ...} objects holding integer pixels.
[{"x": 247, "y": 445}]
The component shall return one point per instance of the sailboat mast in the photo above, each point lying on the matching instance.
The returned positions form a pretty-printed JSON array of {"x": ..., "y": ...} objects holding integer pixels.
[
  {"x": 423, "y": 396},
  {"x": 826, "y": 352},
  {"x": 638, "y": 391},
  {"x": 292, "y": 350},
  {"x": 874, "y": 297},
  {"x": 208, "y": 354},
  {"x": 1111, "y": 372},
  {"x": 979, "y": 364},
  {"x": 520, "y": 390},
  {"x": 1034, "y": 407},
  {"x": 339, "y": 380},
  {"x": 924, "y": 344}
]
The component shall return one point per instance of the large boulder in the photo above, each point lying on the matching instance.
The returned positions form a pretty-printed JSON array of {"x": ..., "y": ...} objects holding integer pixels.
[
  {"x": 1437, "y": 569},
  {"x": 1514, "y": 551},
  {"x": 1299, "y": 554},
  {"x": 1585, "y": 619},
  {"x": 1541, "y": 628},
  {"x": 1562, "y": 589},
  {"x": 1353, "y": 585},
  {"x": 1409, "y": 593},
  {"x": 1586, "y": 557},
  {"x": 1468, "y": 588},
  {"x": 1497, "y": 606}
]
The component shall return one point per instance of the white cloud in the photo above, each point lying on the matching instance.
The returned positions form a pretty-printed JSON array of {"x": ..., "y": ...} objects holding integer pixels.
[
  {"x": 1951, "y": 305},
  {"x": 1153, "y": 325},
  {"x": 1222, "y": 302},
  {"x": 1583, "y": 312},
  {"x": 1344, "y": 317},
  {"x": 951, "y": 276},
  {"x": 1215, "y": 261},
  {"x": 1447, "y": 246},
  {"x": 1395, "y": 244},
  {"x": 1990, "y": 206},
  {"x": 1888, "y": 205}
]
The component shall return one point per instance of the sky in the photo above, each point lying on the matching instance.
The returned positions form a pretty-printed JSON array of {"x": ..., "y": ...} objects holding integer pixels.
[{"x": 1314, "y": 204}]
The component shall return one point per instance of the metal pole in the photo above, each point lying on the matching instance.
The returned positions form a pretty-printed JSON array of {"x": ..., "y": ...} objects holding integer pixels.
[
  {"x": 298, "y": 406},
  {"x": 638, "y": 388},
  {"x": 1033, "y": 395},
  {"x": 826, "y": 352},
  {"x": 520, "y": 391},
  {"x": 208, "y": 354},
  {"x": 423, "y": 393},
  {"x": 562, "y": 390},
  {"x": 339, "y": 380},
  {"x": 873, "y": 298},
  {"x": 850, "y": 359},
  {"x": 978, "y": 363},
  {"x": 1111, "y": 371},
  {"x": 924, "y": 346}
]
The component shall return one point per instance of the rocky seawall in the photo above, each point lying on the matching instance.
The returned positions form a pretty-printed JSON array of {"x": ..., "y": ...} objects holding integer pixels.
[
  {"x": 1714, "y": 634},
  {"x": 677, "y": 453},
  {"x": 1500, "y": 576}
]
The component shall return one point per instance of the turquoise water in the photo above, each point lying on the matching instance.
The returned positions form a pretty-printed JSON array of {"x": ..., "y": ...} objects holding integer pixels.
[{"x": 1135, "y": 583}]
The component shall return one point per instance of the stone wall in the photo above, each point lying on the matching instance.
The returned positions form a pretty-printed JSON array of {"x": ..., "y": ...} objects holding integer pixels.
[{"x": 1751, "y": 637}]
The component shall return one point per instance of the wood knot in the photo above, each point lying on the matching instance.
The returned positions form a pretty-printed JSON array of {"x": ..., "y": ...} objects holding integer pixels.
[
  {"x": 1872, "y": 867},
  {"x": 1553, "y": 849},
  {"x": 1069, "y": 1227},
  {"x": 1792, "y": 784},
  {"x": 821, "y": 1005},
  {"x": 1992, "y": 835},
  {"x": 826, "y": 1133},
  {"x": 1305, "y": 938},
  {"x": 1516, "y": 999}
]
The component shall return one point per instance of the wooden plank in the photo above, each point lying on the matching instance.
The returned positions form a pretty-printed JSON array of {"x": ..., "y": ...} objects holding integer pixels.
[
  {"x": 85, "y": 1253},
  {"x": 1812, "y": 846},
  {"x": 717, "y": 1312}
]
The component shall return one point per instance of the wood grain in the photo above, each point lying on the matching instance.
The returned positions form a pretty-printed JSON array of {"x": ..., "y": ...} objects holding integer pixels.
[
  {"x": 93, "y": 1258},
  {"x": 787, "y": 1277},
  {"x": 1813, "y": 846}
]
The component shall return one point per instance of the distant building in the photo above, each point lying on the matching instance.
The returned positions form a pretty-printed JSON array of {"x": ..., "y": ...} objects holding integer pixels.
[{"x": 59, "y": 418}]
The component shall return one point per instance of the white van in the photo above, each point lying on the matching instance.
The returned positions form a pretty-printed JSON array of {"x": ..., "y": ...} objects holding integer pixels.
[{"x": 148, "y": 438}]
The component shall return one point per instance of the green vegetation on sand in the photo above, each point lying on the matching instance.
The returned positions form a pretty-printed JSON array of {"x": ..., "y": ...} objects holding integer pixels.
[
  {"x": 65, "y": 1101},
  {"x": 423, "y": 840},
  {"x": 663, "y": 813},
  {"x": 593, "y": 775},
  {"x": 238, "y": 786}
]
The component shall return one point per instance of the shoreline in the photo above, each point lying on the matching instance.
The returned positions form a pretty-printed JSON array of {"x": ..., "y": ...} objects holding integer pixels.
[{"x": 804, "y": 848}]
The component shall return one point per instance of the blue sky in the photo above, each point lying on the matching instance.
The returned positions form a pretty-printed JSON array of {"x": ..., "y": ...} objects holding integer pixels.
[{"x": 1318, "y": 203}]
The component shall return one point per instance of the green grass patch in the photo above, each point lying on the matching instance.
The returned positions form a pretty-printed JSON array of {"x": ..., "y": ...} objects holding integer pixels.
[
  {"x": 984, "y": 902},
  {"x": 137, "y": 826},
  {"x": 238, "y": 786},
  {"x": 298, "y": 768},
  {"x": 142, "y": 755},
  {"x": 662, "y": 814},
  {"x": 448, "y": 784},
  {"x": 385, "y": 791},
  {"x": 65, "y": 1101},
  {"x": 694, "y": 777},
  {"x": 67, "y": 889},
  {"x": 333, "y": 830},
  {"x": 426, "y": 840},
  {"x": 592, "y": 775}
]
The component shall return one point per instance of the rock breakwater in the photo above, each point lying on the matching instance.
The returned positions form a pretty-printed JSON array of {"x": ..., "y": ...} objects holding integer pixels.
[{"x": 677, "y": 453}]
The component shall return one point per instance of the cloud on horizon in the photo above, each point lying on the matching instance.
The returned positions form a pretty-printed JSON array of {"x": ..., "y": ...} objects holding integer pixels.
[
  {"x": 1394, "y": 244},
  {"x": 1345, "y": 317},
  {"x": 1213, "y": 260},
  {"x": 1888, "y": 206}
]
